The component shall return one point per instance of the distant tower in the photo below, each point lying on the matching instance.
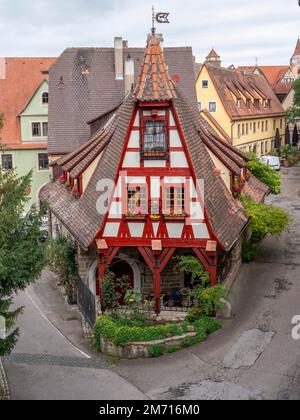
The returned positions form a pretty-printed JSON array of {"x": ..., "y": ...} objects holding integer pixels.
[
  {"x": 213, "y": 59},
  {"x": 296, "y": 56}
]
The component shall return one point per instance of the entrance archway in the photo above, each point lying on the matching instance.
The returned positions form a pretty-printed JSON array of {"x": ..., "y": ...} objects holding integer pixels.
[{"x": 93, "y": 273}]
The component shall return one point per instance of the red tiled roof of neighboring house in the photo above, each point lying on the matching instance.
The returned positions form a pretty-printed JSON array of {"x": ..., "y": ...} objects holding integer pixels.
[
  {"x": 255, "y": 189},
  {"x": 19, "y": 81},
  {"x": 154, "y": 82},
  {"x": 274, "y": 75},
  {"x": 215, "y": 123},
  {"x": 79, "y": 97},
  {"x": 229, "y": 83}
]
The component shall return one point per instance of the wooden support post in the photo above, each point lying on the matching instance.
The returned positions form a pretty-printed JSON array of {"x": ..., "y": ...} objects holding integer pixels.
[
  {"x": 157, "y": 295},
  {"x": 213, "y": 275}
]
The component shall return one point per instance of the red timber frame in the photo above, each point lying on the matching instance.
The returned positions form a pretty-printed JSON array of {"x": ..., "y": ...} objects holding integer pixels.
[{"x": 157, "y": 253}]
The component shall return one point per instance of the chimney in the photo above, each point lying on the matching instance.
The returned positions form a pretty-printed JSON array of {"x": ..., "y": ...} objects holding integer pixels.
[
  {"x": 129, "y": 74},
  {"x": 2, "y": 69},
  {"x": 119, "y": 58}
]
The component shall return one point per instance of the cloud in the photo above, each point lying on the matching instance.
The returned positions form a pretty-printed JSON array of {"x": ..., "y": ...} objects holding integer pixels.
[{"x": 240, "y": 30}]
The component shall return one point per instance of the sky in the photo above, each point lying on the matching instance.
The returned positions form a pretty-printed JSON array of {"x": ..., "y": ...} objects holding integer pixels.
[{"x": 241, "y": 31}]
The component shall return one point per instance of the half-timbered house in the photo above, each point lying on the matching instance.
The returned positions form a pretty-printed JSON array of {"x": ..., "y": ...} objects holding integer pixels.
[{"x": 154, "y": 181}]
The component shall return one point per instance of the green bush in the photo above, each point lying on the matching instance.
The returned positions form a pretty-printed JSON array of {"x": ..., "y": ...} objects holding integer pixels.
[
  {"x": 191, "y": 264},
  {"x": 265, "y": 174},
  {"x": 157, "y": 350},
  {"x": 265, "y": 219},
  {"x": 249, "y": 252},
  {"x": 120, "y": 333},
  {"x": 194, "y": 314},
  {"x": 208, "y": 300},
  {"x": 208, "y": 325}
]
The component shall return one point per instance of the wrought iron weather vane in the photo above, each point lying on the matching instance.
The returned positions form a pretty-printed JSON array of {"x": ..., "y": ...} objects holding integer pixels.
[{"x": 161, "y": 17}]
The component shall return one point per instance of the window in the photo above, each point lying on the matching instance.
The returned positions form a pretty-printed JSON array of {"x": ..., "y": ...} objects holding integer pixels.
[
  {"x": 204, "y": 84},
  {"x": 254, "y": 127},
  {"x": 154, "y": 139},
  {"x": 263, "y": 126},
  {"x": 7, "y": 162},
  {"x": 199, "y": 106},
  {"x": 136, "y": 201},
  {"x": 256, "y": 103},
  {"x": 239, "y": 130},
  {"x": 45, "y": 98},
  {"x": 174, "y": 200},
  {"x": 266, "y": 147},
  {"x": 212, "y": 107},
  {"x": 247, "y": 129},
  {"x": 243, "y": 129},
  {"x": 274, "y": 125},
  {"x": 281, "y": 123},
  {"x": 39, "y": 129},
  {"x": 45, "y": 129},
  {"x": 36, "y": 129},
  {"x": 267, "y": 125},
  {"x": 238, "y": 103},
  {"x": 258, "y": 125},
  {"x": 262, "y": 148},
  {"x": 43, "y": 162},
  {"x": 248, "y": 103}
]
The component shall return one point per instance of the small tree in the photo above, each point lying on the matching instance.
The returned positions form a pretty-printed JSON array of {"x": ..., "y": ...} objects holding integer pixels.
[
  {"x": 22, "y": 255},
  {"x": 295, "y": 136},
  {"x": 287, "y": 136},
  {"x": 277, "y": 140}
]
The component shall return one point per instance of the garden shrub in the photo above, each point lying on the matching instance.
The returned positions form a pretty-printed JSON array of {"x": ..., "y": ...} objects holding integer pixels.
[
  {"x": 207, "y": 324},
  {"x": 265, "y": 219},
  {"x": 157, "y": 350},
  {"x": 194, "y": 314},
  {"x": 265, "y": 173},
  {"x": 209, "y": 300},
  {"x": 249, "y": 252}
]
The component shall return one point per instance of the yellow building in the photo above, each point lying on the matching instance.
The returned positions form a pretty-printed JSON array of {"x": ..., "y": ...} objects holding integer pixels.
[{"x": 243, "y": 109}]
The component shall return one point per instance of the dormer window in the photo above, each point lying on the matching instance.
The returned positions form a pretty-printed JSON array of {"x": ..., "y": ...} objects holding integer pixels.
[
  {"x": 256, "y": 103},
  {"x": 45, "y": 98},
  {"x": 154, "y": 137}
]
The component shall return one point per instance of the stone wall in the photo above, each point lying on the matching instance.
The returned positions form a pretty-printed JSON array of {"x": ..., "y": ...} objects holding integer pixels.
[{"x": 85, "y": 259}]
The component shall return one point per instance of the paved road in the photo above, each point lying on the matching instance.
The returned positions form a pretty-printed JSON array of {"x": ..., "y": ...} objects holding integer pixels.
[{"x": 252, "y": 357}]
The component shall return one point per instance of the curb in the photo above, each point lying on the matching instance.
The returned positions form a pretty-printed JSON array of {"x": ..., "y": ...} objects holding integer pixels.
[{"x": 4, "y": 388}]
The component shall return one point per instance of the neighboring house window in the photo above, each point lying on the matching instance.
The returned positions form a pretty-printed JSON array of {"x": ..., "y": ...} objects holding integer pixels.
[
  {"x": 256, "y": 103},
  {"x": 204, "y": 84},
  {"x": 254, "y": 127},
  {"x": 258, "y": 125},
  {"x": 36, "y": 130},
  {"x": 43, "y": 161},
  {"x": 247, "y": 129},
  {"x": 267, "y": 125},
  {"x": 7, "y": 162},
  {"x": 174, "y": 200},
  {"x": 263, "y": 126},
  {"x": 136, "y": 201},
  {"x": 248, "y": 103},
  {"x": 262, "y": 148},
  {"x": 45, "y": 98},
  {"x": 238, "y": 103},
  {"x": 199, "y": 106},
  {"x": 154, "y": 138},
  {"x": 266, "y": 147},
  {"x": 212, "y": 107},
  {"x": 239, "y": 130},
  {"x": 274, "y": 125},
  {"x": 243, "y": 129},
  {"x": 45, "y": 129},
  {"x": 39, "y": 129},
  {"x": 281, "y": 123}
]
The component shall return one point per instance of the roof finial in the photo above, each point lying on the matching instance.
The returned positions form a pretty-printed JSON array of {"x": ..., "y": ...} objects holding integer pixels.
[{"x": 153, "y": 30}]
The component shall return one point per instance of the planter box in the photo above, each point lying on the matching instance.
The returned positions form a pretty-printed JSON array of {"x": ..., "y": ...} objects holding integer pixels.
[
  {"x": 135, "y": 218},
  {"x": 139, "y": 350}
]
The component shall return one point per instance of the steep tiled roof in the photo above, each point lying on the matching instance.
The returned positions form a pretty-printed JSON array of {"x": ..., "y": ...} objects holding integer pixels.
[
  {"x": 79, "y": 96},
  {"x": 80, "y": 217},
  {"x": 154, "y": 82},
  {"x": 19, "y": 79},
  {"x": 213, "y": 54},
  {"x": 229, "y": 83},
  {"x": 255, "y": 189}
]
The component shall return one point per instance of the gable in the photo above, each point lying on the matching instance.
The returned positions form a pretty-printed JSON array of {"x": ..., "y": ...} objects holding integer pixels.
[{"x": 35, "y": 106}]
